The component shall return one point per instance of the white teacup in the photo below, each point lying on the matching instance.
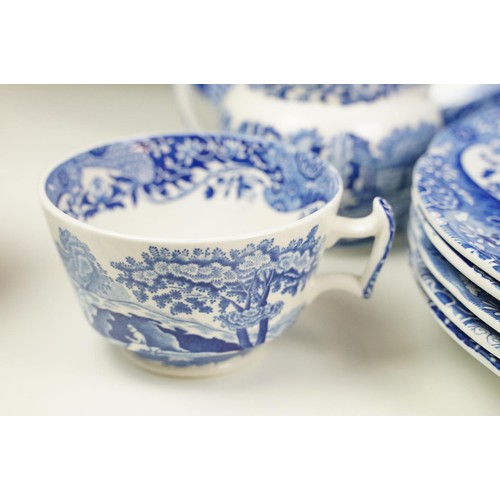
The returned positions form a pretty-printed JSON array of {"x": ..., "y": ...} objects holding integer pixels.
[{"x": 192, "y": 250}]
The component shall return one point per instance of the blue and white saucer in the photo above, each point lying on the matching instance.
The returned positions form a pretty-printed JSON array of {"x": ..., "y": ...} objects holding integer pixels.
[
  {"x": 456, "y": 185},
  {"x": 475, "y": 350},
  {"x": 451, "y": 308},
  {"x": 476, "y": 275},
  {"x": 480, "y": 303}
]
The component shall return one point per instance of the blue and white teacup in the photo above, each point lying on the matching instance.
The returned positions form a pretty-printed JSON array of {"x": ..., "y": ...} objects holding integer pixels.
[{"x": 192, "y": 250}]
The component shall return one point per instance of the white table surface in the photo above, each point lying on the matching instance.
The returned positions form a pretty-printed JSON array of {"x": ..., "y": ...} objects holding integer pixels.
[{"x": 344, "y": 356}]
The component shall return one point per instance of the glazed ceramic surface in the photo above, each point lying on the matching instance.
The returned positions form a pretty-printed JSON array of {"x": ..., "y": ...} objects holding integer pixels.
[
  {"x": 457, "y": 187},
  {"x": 476, "y": 275},
  {"x": 483, "y": 305},
  {"x": 475, "y": 350},
  {"x": 373, "y": 134},
  {"x": 474, "y": 98},
  {"x": 452, "y": 308},
  {"x": 191, "y": 250}
]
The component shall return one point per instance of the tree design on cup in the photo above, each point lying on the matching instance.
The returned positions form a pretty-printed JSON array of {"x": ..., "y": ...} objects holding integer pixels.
[
  {"x": 90, "y": 281},
  {"x": 232, "y": 287},
  {"x": 171, "y": 302},
  {"x": 82, "y": 266}
]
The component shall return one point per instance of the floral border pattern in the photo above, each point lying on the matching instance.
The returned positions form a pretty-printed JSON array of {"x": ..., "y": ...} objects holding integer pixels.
[
  {"x": 166, "y": 168},
  {"x": 462, "y": 213},
  {"x": 447, "y": 303},
  {"x": 367, "y": 170},
  {"x": 482, "y": 304},
  {"x": 344, "y": 94},
  {"x": 481, "y": 354},
  {"x": 340, "y": 93},
  {"x": 475, "y": 274}
]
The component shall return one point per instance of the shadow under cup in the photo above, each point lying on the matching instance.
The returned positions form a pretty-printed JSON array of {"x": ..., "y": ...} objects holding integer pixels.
[{"x": 190, "y": 250}]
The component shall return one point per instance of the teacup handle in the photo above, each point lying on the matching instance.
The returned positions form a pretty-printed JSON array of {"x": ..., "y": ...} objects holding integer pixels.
[
  {"x": 380, "y": 224},
  {"x": 183, "y": 98}
]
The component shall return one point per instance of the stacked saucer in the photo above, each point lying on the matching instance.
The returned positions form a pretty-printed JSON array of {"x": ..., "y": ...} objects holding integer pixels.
[{"x": 454, "y": 232}]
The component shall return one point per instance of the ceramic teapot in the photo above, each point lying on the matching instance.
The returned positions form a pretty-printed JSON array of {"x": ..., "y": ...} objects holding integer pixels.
[{"x": 372, "y": 133}]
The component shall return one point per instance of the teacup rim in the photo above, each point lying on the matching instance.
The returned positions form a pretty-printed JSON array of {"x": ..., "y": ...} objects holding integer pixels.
[{"x": 57, "y": 213}]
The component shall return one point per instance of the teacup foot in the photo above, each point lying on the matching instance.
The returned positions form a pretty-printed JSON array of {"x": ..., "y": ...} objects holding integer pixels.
[{"x": 193, "y": 371}]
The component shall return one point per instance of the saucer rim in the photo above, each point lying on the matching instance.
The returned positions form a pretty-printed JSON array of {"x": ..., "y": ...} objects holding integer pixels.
[
  {"x": 455, "y": 289},
  {"x": 446, "y": 310},
  {"x": 457, "y": 260},
  {"x": 477, "y": 352},
  {"x": 481, "y": 258}
]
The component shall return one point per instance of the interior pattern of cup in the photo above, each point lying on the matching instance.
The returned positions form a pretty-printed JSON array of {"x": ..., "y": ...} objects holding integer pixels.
[{"x": 192, "y": 186}]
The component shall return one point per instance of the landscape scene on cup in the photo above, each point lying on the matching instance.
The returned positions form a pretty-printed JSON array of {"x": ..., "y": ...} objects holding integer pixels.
[
  {"x": 190, "y": 249},
  {"x": 194, "y": 306}
]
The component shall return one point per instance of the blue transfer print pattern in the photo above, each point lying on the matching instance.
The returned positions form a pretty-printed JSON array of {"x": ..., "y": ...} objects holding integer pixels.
[
  {"x": 164, "y": 169},
  {"x": 477, "y": 300},
  {"x": 446, "y": 302},
  {"x": 474, "y": 273},
  {"x": 459, "y": 112},
  {"x": 481, "y": 163},
  {"x": 214, "y": 92},
  {"x": 233, "y": 288},
  {"x": 460, "y": 203},
  {"x": 193, "y": 306},
  {"x": 87, "y": 276},
  {"x": 367, "y": 170},
  {"x": 368, "y": 290},
  {"x": 82, "y": 266},
  {"x": 338, "y": 92},
  {"x": 491, "y": 361}
]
